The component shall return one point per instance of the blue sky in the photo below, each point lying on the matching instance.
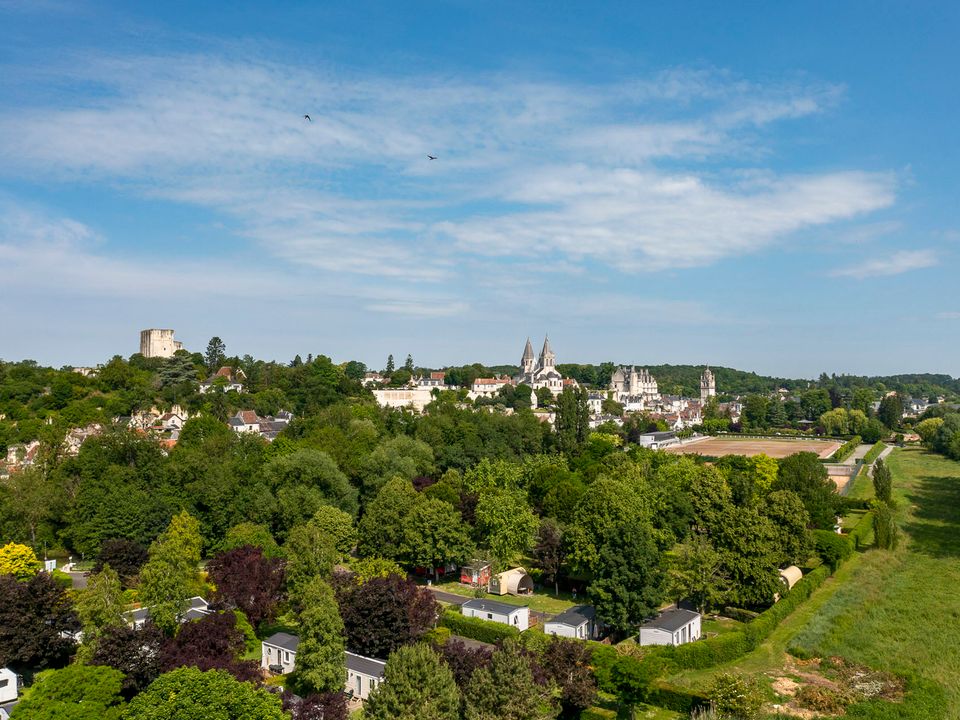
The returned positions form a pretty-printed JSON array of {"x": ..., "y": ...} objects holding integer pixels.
[{"x": 769, "y": 186}]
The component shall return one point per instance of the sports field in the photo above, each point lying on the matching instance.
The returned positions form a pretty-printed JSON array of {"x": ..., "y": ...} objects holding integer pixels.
[{"x": 774, "y": 447}]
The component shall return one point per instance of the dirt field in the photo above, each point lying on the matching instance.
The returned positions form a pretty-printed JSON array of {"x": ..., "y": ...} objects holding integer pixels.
[{"x": 775, "y": 448}]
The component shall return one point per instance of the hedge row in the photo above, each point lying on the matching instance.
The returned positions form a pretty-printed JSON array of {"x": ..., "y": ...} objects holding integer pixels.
[
  {"x": 874, "y": 452},
  {"x": 862, "y": 534},
  {"x": 846, "y": 450},
  {"x": 475, "y": 628}
]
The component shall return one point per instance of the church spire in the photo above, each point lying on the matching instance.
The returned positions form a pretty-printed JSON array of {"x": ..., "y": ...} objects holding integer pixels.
[{"x": 528, "y": 351}]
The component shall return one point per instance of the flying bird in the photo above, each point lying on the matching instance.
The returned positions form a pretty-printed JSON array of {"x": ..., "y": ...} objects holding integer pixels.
[
  {"x": 307, "y": 118},
  {"x": 431, "y": 157}
]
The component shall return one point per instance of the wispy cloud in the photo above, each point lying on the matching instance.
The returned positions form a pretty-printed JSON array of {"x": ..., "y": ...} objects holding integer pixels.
[
  {"x": 894, "y": 264},
  {"x": 555, "y": 171},
  {"x": 949, "y": 315}
]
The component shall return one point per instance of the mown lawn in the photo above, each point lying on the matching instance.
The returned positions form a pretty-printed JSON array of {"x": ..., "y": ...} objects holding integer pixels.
[
  {"x": 897, "y": 611},
  {"x": 538, "y": 602}
]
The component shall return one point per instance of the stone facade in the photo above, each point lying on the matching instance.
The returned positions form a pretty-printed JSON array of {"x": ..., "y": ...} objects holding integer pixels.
[
  {"x": 636, "y": 388},
  {"x": 158, "y": 343},
  {"x": 708, "y": 386},
  {"x": 542, "y": 372}
]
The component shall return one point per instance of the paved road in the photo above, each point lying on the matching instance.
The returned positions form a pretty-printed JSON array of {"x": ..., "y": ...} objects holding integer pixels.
[
  {"x": 446, "y": 597},
  {"x": 79, "y": 579}
]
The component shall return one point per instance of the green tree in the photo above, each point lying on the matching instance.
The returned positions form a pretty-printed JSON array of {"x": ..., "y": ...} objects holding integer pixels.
[
  {"x": 216, "y": 353},
  {"x": 835, "y": 422},
  {"x": 790, "y": 521},
  {"x": 755, "y": 411},
  {"x": 697, "y": 573},
  {"x": 927, "y": 429},
  {"x": 190, "y": 694},
  {"x": 408, "y": 364},
  {"x": 506, "y": 689},
  {"x": 418, "y": 686},
  {"x": 320, "y": 655},
  {"x": 168, "y": 579},
  {"x": 338, "y": 526},
  {"x": 572, "y": 422},
  {"x": 804, "y": 474},
  {"x": 891, "y": 411},
  {"x": 882, "y": 481},
  {"x": 381, "y": 527},
  {"x": 505, "y": 523},
  {"x": 605, "y": 504},
  {"x": 310, "y": 478},
  {"x": 248, "y": 533},
  {"x": 19, "y": 561},
  {"x": 885, "y": 530},
  {"x": 100, "y": 606},
  {"x": 390, "y": 366},
  {"x": 77, "y": 692},
  {"x": 310, "y": 554},
  {"x": 628, "y": 583},
  {"x": 434, "y": 534}
]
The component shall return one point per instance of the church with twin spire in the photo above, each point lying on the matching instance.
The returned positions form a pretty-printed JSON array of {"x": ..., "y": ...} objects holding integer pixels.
[{"x": 540, "y": 372}]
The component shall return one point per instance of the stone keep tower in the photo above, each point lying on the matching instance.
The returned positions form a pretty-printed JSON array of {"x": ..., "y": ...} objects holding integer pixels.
[
  {"x": 708, "y": 386},
  {"x": 158, "y": 343},
  {"x": 527, "y": 361}
]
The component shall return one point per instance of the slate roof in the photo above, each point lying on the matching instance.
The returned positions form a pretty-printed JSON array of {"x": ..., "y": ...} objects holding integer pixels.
[
  {"x": 283, "y": 640},
  {"x": 365, "y": 665},
  {"x": 494, "y": 606},
  {"x": 575, "y": 616},
  {"x": 671, "y": 620}
]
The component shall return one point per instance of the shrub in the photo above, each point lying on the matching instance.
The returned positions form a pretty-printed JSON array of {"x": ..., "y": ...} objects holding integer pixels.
[
  {"x": 676, "y": 698},
  {"x": 737, "y": 697},
  {"x": 874, "y": 452},
  {"x": 475, "y": 628},
  {"x": 822, "y": 699},
  {"x": 846, "y": 450},
  {"x": 437, "y": 636},
  {"x": 740, "y": 614},
  {"x": 833, "y": 549}
]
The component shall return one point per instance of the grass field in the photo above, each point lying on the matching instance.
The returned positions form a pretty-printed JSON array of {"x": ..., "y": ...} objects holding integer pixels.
[
  {"x": 774, "y": 447},
  {"x": 538, "y": 602},
  {"x": 897, "y": 611}
]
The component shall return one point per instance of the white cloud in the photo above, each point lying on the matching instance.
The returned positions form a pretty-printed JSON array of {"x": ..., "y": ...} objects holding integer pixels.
[
  {"x": 894, "y": 264},
  {"x": 559, "y": 172}
]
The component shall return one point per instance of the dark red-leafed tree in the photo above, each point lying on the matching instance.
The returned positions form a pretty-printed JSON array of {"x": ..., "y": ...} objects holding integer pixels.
[
  {"x": 210, "y": 643},
  {"x": 247, "y": 581},
  {"x": 384, "y": 614},
  {"x": 323, "y": 706},
  {"x": 33, "y": 616},
  {"x": 126, "y": 557},
  {"x": 135, "y": 653},
  {"x": 463, "y": 661},
  {"x": 567, "y": 663}
]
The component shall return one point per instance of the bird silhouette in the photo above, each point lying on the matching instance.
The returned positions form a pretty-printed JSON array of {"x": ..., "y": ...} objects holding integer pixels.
[
  {"x": 307, "y": 118},
  {"x": 431, "y": 157}
]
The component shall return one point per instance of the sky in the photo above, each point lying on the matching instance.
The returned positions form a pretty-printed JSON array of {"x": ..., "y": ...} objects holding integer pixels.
[{"x": 767, "y": 186}]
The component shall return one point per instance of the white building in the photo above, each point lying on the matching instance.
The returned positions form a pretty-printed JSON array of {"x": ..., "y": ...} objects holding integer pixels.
[
  {"x": 657, "y": 440},
  {"x": 579, "y": 622},
  {"x": 158, "y": 343},
  {"x": 363, "y": 675},
  {"x": 673, "y": 627},
  {"x": 708, "y": 386},
  {"x": 542, "y": 372},
  {"x": 8, "y": 685},
  {"x": 488, "y": 387},
  {"x": 196, "y": 608},
  {"x": 415, "y": 398},
  {"x": 517, "y": 616},
  {"x": 636, "y": 388},
  {"x": 278, "y": 653}
]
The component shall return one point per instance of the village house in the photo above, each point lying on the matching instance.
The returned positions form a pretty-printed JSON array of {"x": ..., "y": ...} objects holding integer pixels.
[
  {"x": 488, "y": 387},
  {"x": 230, "y": 379},
  {"x": 517, "y": 616},
  {"x": 436, "y": 379},
  {"x": 415, "y": 398},
  {"x": 673, "y": 627},
  {"x": 577, "y": 622},
  {"x": 278, "y": 655}
]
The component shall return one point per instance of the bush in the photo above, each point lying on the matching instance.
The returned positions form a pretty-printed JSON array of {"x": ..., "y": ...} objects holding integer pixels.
[
  {"x": 676, "y": 698},
  {"x": 437, "y": 636},
  {"x": 475, "y": 628},
  {"x": 740, "y": 614},
  {"x": 846, "y": 450},
  {"x": 862, "y": 534},
  {"x": 735, "y": 696},
  {"x": 833, "y": 549},
  {"x": 874, "y": 452}
]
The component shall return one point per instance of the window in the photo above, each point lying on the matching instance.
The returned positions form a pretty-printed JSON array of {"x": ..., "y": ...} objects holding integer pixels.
[
  {"x": 373, "y": 684},
  {"x": 4, "y": 683},
  {"x": 489, "y": 616}
]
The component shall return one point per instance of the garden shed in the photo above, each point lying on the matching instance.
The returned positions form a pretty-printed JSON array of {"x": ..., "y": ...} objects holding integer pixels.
[
  {"x": 512, "y": 582},
  {"x": 790, "y": 576}
]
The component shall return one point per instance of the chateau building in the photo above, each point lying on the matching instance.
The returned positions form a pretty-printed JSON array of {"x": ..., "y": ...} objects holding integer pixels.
[
  {"x": 158, "y": 343},
  {"x": 708, "y": 386},
  {"x": 634, "y": 387},
  {"x": 542, "y": 372}
]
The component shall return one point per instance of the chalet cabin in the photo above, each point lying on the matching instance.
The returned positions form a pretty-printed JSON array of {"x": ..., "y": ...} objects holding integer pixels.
[
  {"x": 476, "y": 574},
  {"x": 672, "y": 627},
  {"x": 577, "y": 622},
  {"x": 278, "y": 653},
  {"x": 512, "y": 582},
  {"x": 363, "y": 675},
  {"x": 517, "y": 616}
]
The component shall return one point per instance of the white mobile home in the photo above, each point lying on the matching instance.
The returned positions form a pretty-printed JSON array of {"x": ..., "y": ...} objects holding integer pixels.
[
  {"x": 517, "y": 616},
  {"x": 673, "y": 627},
  {"x": 363, "y": 675},
  {"x": 278, "y": 653},
  {"x": 8, "y": 686},
  {"x": 577, "y": 622}
]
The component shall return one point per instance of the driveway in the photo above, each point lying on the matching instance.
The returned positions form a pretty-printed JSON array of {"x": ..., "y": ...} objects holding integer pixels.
[{"x": 446, "y": 597}]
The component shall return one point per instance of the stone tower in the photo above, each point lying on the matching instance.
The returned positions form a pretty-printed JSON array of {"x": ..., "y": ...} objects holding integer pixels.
[
  {"x": 547, "y": 357},
  {"x": 708, "y": 386},
  {"x": 528, "y": 360},
  {"x": 158, "y": 343}
]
